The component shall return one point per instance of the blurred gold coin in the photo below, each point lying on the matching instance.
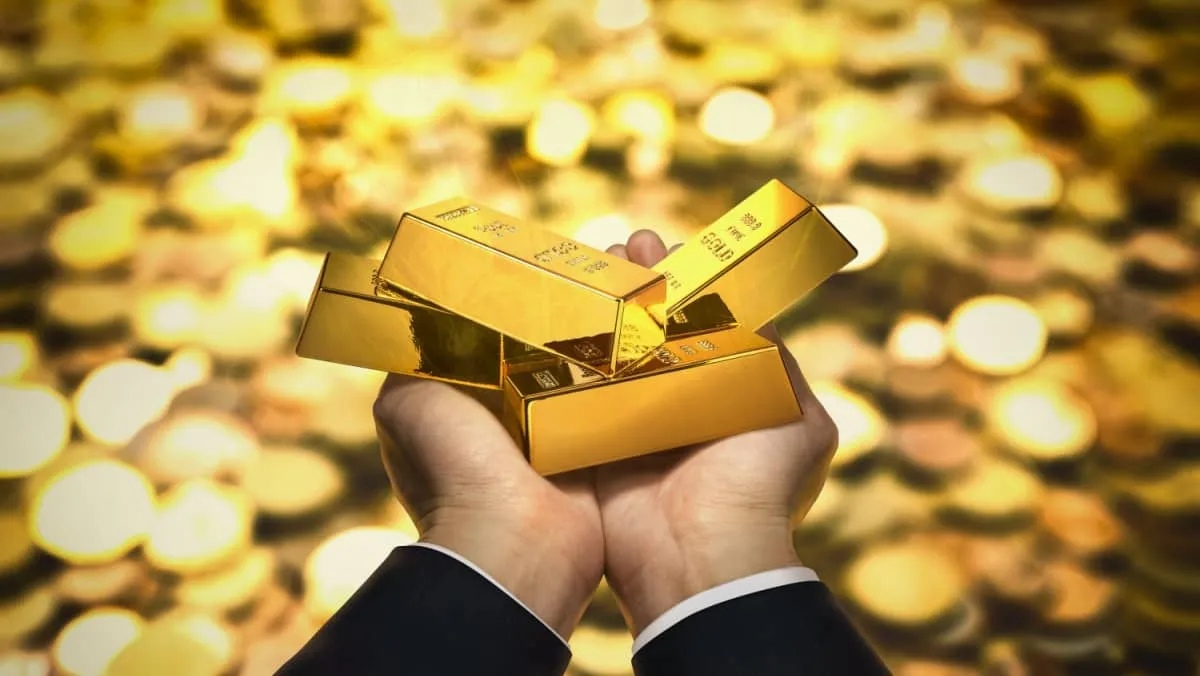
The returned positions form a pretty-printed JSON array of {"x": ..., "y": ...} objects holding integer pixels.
[
  {"x": 95, "y": 511},
  {"x": 15, "y": 544},
  {"x": 293, "y": 481},
  {"x": 342, "y": 563},
  {"x": 1080, "y": 521},
  {"x": 181, "y": 643},
  {"x": 87, "y": 305},
  {"x": 1078, "y": 597},
  {"x": 92, "y": 585},
  {"x": 995, "y": 492},
  {"x": 200, "y": 526},
  {"x": 36, "y": 423},
  {"x": 88, "y": 643},
  {"x": 32, "y": 127},
  {"x": 906, "y": 584},
  {"x": 1041, "y": 419},
  {"x": 26, "y": 613},
  {"x": 231, "y": 587},
  {"x": 197, "y": 444}
]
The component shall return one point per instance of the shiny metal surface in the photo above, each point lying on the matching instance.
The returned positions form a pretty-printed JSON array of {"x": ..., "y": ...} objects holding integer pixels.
[
  {"x": 691, "y": 390},
  {"x": 349, "y": 323},
  {"x": 761, "y": 257},
  {"x": 531, "y": 284}
]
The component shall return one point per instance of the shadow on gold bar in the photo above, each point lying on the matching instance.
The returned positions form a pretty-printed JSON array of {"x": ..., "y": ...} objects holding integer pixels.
[
  {"x": 350, "y": 322},
  {"x": 691, "y": 390},
  {"x": 525, "y": 282},
  {"x": 761, "y": 257}
]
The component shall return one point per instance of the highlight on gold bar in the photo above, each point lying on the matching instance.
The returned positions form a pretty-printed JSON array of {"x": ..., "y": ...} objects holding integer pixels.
[
  {"x": 690, "y": 390},
  {"x": 349, "y": 322},
  {"x": 761, "y": 257},
  {"x": 528, "y": 283}
]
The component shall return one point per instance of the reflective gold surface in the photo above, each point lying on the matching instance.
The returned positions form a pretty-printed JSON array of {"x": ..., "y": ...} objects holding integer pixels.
[
  {"x": 349, "y": 323},
  {"x": 1016, "y": 176},
  {"x": 528, "y": 283},
  {"x": 761, "y": 257},
  {"x": 691, "y": 390}
]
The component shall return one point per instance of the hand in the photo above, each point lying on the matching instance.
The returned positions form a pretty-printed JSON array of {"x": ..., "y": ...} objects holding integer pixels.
[
  {"x": 469, "y": 489},
  {"x": 680, "y": 522}
]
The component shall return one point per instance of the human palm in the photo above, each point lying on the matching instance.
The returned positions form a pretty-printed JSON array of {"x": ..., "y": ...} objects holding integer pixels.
[
  {"x": 680, "y": 522},
  {"x": 469, "y": 489}
]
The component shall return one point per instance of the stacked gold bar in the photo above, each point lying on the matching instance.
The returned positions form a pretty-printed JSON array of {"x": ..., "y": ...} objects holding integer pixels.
[{"x": 666, "y": 357}]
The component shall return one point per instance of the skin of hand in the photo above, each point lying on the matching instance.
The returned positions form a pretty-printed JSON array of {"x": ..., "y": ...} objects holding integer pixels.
[
  {"x": 469, "y": 489},
  {"x": 680, "y": 522}
]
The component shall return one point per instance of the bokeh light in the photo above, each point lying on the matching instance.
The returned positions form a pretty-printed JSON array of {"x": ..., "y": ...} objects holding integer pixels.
[
  {"x": 92, "y": 512},
  {"x": 118, "y": 399},
  {"x": 340, "y": 564},
  {"x": 159, "y": 115},
  {"x": 643, "y": 114},
  {"x": 1042, "y": 419},
  {"x": 996, "y": 335},
  {"x": 1017, "y": 182},
  {"x": 36, "y": 423},
  {"x": 199, "y": 525},
  {"x": 917, "y": 340},
  {"x": 621, "y": 14},
  {"x": 185, "y": 637},
  {"x": 559, "y": 132},
  {"x": 87, "y": 644},
  {"x": 737, "y": 116},
  {"x": 861, "y": 427},
  {"x": 18, "y": 354},
  {"x": 864, "y": 230},
  {"x": 1008, "y": 359}
]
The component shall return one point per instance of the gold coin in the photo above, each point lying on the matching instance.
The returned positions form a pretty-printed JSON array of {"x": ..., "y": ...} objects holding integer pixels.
[
  {"x": 181, "y": 643},
  {"x": 905, "y": 583},
  {"x": 995, "y": 491},
  {"x": 1077, "y": 595},
  {"x": 293, "y": 481},
  {"x": 26, "y": 613},
  {"x": 200, "y": 526},
  {"x": 1080, "y": 521},
  {"x": 231, "y": 587}
]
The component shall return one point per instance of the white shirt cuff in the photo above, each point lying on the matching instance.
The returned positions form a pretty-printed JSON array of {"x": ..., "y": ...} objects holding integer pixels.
[
  {"x": 458, "y": 557},
  {"x": 720, "y": 594}
]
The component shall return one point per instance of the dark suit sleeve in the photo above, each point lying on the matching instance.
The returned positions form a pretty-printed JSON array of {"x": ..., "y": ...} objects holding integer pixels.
[
  {"x": 424, "y": 613},
  {"x": 793, "y": 629}
]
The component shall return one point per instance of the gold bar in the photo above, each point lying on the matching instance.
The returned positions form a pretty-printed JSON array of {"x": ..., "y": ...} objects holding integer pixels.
[
  {"x": 761, "y": 257},
  {"x": 349, "y": 322},
  {"x": 691, "y": 390},
  {"x": 531, "y": 284}
]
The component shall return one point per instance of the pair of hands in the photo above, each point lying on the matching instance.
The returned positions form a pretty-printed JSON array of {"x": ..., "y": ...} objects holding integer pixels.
[{"x": 662, "y": 527}]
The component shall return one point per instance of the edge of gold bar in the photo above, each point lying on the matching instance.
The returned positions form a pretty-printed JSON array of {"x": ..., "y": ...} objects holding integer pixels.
[
  {"x": 761, "y": 257},
  {"x": 528, "y": 283},
  {"x": 347, "y": 322},
  {"x": 690, "y": 390}
]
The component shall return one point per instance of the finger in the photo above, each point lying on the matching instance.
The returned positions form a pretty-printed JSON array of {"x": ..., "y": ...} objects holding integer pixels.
[
  {"x": 674, "y": 247},
  {"x": 618, "y": 250},
  {"x": 646, "y": 248}
]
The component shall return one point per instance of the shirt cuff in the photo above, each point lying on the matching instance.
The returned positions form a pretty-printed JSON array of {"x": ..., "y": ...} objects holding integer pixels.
[
  {"x": 720, "y": 594},
  {"x": 458, "y": 557}
]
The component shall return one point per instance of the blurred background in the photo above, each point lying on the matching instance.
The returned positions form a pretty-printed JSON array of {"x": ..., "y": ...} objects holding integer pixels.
[{"x": 1012, "y": 359}]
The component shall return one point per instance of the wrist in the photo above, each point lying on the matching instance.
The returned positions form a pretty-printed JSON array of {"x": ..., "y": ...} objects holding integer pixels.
[
  {"x": 522, "y": 558},
  {"x": 701, "y": 560}
]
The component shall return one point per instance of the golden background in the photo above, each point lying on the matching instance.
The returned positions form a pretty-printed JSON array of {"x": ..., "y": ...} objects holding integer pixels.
[{"x": 1012, "y": 359}]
